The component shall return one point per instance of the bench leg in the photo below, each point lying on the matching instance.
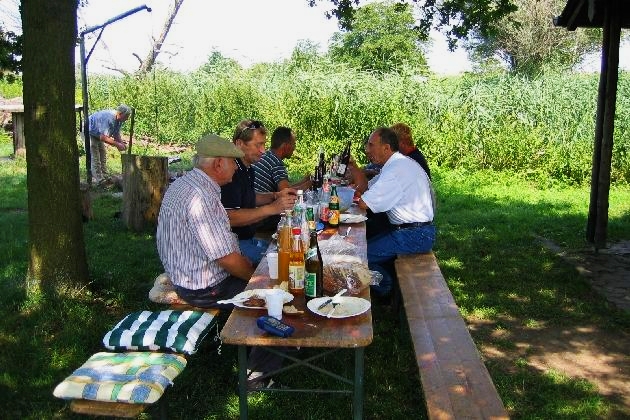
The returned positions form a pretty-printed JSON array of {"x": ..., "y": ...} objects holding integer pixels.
[{"x": 357, "y": 397}]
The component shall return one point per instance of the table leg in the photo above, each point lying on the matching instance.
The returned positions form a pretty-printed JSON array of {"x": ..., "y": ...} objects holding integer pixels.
[
  {"x": 242, "y": 382},
  {"x": 357, "y": 397}
]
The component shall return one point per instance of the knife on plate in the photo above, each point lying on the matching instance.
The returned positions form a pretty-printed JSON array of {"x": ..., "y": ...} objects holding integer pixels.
[{"x": 327, "y": 301}]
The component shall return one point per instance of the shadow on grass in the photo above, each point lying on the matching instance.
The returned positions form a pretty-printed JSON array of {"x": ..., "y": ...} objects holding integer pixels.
[{"x": 497, "y": 272}]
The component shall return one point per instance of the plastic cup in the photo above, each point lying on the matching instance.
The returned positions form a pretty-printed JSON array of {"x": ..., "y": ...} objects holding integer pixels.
[
  {"x": 275, "y": 301},
  {"x": 272, "y": 263}
]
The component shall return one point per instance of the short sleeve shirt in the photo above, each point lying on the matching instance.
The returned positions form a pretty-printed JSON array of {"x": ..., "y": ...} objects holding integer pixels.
[
  {"x": 269, "y": 172},
  {"x": 104, "y": 123},
  {"x": 402, "y": 190},
  {"x": 240, "y": 194},
  {"x": 194, "y": 232}
]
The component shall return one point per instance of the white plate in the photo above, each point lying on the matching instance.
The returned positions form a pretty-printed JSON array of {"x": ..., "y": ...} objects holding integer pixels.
[
  {"x": 352, "y": 218},
  {"x": 348, "y": 306},
  {"x": 288, "y": 297}
]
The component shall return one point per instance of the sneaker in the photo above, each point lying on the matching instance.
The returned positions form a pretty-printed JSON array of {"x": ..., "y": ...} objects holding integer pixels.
[{"x": 254, "y": 383}]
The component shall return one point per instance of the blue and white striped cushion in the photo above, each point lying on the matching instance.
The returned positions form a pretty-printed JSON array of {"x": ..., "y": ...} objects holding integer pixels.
[{"x": 178, "y": 331}]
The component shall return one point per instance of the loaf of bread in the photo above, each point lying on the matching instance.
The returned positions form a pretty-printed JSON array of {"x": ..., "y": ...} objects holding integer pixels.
[{"x": 347, "y": 275}]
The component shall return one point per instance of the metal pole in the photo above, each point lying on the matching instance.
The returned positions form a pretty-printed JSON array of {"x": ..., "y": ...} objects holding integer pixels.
[
  {"x": 86, "y": 121},
  {"x": 84, "y": 88}
]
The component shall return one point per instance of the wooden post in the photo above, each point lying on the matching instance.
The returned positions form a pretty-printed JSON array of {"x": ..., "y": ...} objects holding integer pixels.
[
  {"x": 145, "y": 179},
  {"x": 19, "y": 144}
]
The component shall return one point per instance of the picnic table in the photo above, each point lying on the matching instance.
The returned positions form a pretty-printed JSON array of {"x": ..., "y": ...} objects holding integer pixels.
[
  {"x": 311, "y": 330},
  {"x": 17, "y": 117}
]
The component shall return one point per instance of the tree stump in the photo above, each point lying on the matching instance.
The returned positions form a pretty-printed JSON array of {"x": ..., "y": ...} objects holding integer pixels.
[{"x": 145, "y": 180}]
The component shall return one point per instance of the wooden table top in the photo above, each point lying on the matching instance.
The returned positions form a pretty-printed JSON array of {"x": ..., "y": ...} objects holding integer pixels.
[{"x": 311, "y": 330}]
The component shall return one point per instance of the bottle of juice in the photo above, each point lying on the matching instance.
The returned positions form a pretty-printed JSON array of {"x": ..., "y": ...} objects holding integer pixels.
[
  {"x": 296, "y": 264},
  {"x": 284, "y": 247}
]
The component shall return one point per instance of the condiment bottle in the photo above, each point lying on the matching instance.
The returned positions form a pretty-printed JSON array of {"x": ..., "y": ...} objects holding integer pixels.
[
  {"x": 344, "y": 159},
  {"x": 314, "y": 270},
  {"x": 333, "y": 208}
]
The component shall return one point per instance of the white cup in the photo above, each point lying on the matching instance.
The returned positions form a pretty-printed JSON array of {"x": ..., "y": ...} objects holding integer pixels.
[
  {"x": 275, "y": 301},
  {"x": 272, "y": 263}
]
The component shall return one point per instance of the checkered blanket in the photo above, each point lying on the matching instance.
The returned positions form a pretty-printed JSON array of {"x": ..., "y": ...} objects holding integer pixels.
[{"x": 134, "y": 377}]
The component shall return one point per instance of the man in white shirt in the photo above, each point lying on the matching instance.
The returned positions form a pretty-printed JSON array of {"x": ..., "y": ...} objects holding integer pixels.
[{"x": 402, "y": 190}]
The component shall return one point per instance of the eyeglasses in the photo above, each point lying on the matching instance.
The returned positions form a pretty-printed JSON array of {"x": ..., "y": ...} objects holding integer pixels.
[{"x": 254, "y": 125}]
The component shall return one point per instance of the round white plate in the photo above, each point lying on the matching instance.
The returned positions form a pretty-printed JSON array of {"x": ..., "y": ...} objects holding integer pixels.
[
  {"x": 348, "y": 306},
  {"x": 288, "y": 297},
  {"x": 352, "y": 218}
]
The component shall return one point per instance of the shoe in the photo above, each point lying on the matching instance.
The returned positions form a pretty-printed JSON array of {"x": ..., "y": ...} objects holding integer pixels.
[{"x": 255, "y": 384}]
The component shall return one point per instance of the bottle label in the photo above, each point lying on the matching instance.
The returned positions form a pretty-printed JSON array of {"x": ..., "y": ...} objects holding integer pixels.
[
  {"x": 310, "y": 285},
  {"x": 296, "y": 276},
  {"x": 310, "y": 253},
  {"x": 333, "y": 218},
  {"x": 341, "y": 170}
]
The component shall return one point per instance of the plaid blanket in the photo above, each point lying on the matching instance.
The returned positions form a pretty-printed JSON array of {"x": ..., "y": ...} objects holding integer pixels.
[
  {"x": 177, "y": 331},
  {"x": 134, "y": 377}
]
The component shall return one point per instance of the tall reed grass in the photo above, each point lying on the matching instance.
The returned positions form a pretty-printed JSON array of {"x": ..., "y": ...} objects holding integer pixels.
[{"x": 542, "y": 127}]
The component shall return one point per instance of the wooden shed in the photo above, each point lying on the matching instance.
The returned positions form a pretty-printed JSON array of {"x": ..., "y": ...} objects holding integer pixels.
[{"x": 611, "y": 16}]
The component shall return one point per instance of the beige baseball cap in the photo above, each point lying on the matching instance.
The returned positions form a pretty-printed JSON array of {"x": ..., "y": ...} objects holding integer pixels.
[{"x": 212, "y": 145}]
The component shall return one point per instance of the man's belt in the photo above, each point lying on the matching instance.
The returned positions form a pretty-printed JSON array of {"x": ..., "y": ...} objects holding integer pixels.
[{"x": 412, "y": 225}]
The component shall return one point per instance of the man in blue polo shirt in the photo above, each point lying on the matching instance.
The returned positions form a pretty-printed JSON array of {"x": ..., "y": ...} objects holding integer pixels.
[{"x": 245, "y": 207}]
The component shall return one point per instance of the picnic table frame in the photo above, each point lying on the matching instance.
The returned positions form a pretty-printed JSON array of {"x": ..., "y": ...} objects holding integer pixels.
[{"x": 311, "y": 330}]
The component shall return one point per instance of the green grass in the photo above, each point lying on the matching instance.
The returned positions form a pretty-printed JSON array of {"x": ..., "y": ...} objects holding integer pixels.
[{"x": 488, "y": 249}]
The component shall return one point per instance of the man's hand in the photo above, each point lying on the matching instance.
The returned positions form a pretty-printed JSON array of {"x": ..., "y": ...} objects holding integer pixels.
[
  {"x": 285, "y": 199},
  {"x": 120, "y": 146}
]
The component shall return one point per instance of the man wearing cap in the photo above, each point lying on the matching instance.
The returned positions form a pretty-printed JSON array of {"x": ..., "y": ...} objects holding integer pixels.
[
  {"x": 196, "y": 246},
  {"x": 104, "y": 127},
  {"x": 246, "y": 207}
]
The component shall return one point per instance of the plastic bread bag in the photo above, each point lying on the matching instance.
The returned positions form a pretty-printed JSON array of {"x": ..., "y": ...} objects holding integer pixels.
[
  {"x": 354, "y": 276},
  {"x": 337, "y": 245}
]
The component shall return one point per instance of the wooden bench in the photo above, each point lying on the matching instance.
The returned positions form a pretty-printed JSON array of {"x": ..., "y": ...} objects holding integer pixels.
[
  {"x": 455, "y": 381},
  {"x": 129, "y": 410}
]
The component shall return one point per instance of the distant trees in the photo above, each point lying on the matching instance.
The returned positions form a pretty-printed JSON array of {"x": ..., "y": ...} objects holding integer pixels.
[
  {"x": 383, "y": 38},
  {"x": 526, "y": 41},
  {"x": 218, "y": 63},
  {"x": 10, "y": 53}
]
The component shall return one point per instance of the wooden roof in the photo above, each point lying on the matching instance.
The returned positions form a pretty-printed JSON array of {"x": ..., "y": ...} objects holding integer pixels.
[{"x": 590, "y": 14}]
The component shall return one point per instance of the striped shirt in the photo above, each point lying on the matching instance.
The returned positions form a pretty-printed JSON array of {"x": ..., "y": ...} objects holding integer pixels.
[
  {"x": 269, "y": 172},
  {"x": 194, "y": 231}
]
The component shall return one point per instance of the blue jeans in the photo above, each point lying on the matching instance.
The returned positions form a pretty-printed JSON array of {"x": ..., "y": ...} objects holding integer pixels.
[
  {"x": 383, "y": 248},
  {"x": 253, "y": 249}
]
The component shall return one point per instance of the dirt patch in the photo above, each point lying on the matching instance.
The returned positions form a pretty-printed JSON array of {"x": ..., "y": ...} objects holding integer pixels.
[{"x": 584, "y": 351}]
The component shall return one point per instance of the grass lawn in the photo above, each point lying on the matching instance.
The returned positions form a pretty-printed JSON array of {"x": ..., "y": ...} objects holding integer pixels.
[{"x": 489, "y": 251}]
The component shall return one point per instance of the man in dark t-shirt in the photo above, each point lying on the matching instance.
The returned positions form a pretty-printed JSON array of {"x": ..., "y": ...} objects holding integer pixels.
[
  {"x": 407, "y": 147},
  {"x": 245, "y": 207}
]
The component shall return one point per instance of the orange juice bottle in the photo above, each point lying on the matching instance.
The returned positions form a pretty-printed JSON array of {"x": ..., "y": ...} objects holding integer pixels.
[{"x": 284, "y": 248}]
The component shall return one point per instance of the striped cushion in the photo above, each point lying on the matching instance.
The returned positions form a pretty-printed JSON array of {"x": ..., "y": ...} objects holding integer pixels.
[
  {"x": 178, "y": 331},
  {"x": 135, "y": 377}
]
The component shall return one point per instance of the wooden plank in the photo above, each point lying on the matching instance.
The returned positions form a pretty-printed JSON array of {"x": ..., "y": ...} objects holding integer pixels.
[
  {"x": 106, "y": 408},
  {"x": 455, "y": 382}
]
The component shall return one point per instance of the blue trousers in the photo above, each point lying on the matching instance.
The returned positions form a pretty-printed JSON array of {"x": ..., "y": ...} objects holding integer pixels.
[
  {"x": 253, "y": 249},
  {"x": 383, "y": 248}
]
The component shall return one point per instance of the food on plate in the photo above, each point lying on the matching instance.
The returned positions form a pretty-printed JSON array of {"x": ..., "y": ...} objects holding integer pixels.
[
  {"x": 291, "y": 310},
  {"x": 284, "y": 285},
  {"x": 255, "y": 301}
]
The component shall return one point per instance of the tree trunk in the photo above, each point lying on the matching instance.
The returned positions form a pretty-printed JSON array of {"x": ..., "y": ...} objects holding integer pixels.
[
  {"x": 148, "y": 63},
  {"x": 57, "y": 255},
  {"x": 145, "y": 179}
]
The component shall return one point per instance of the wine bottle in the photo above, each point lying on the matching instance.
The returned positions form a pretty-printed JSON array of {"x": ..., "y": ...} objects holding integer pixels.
[
  {"x": 314, "y": 270},
  {"x": 344, "y": 159}
]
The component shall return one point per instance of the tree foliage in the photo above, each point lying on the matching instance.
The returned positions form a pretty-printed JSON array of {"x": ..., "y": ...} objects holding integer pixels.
[
  {"x": 526, "y": 41},
  {"x": 383, "y": 38},
  {"x": 10, "y": 53},
  {"x": 455, "y": 18},
  {"x": 218, "y": 63}
]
